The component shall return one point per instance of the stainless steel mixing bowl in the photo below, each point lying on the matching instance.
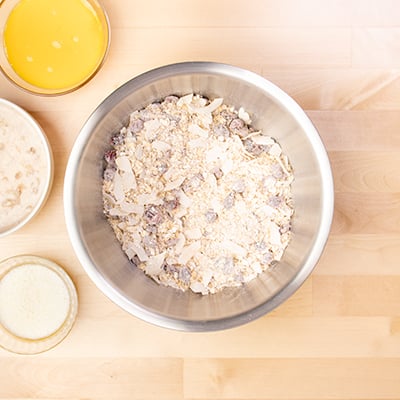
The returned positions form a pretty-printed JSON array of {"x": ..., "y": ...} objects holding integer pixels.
[{"x": 99, "y": 252}]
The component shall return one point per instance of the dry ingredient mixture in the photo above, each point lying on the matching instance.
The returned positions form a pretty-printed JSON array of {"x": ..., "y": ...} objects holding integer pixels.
[
  {"x": 23, "y": 168},
  {"x": 196, "y": 196}
]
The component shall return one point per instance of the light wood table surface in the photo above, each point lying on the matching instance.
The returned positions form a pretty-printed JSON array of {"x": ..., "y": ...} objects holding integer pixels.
[{"x": 338, "y": 337}]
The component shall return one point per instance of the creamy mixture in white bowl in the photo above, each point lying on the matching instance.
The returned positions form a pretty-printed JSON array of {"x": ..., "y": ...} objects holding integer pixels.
[{"x": 26, "y": 167}]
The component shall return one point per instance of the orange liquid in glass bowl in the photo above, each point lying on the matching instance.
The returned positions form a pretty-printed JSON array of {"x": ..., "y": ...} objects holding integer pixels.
[{"x": 55, "y": 44}]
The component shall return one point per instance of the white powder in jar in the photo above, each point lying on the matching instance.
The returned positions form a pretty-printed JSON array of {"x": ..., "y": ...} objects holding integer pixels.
[
  {"x": 34, "y": 301},
  {"x": 24, "y": 166}
]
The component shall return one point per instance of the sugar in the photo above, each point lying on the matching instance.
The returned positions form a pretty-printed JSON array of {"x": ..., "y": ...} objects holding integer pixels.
[{"x": 34, "y": 301}]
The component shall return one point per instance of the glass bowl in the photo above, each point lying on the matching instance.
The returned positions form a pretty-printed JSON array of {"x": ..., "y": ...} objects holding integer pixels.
[
  {"x": 22, "y": 345},
  {"x": 6, "y": 9}
]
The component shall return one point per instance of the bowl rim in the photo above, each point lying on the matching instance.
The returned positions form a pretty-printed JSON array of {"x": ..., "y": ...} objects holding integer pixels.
[
  {"x": 49, "y": 162},
  {"x": 199, "y": 67}
]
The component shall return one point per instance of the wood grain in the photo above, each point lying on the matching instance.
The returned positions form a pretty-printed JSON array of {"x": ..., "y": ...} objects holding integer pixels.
[
  {"x": 362, "y": 254},
  {"x": 256, "y": 13},
  {"x": 371, "y": 213},
  {"x": 93, "y": 378},
  {"x": 237, "y": 44},
  {"x": 366, "y": 172},
  {"x": 376, "y": 47},
  {"x": 338, "y": 336},
  {"x": 291, "y": 379},
  {"x": 356, "y": 295},
  {"x": 370, "y": 130}
]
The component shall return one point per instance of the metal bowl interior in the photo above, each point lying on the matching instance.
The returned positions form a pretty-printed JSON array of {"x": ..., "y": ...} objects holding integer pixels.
[{"x": 99, "y": 252}]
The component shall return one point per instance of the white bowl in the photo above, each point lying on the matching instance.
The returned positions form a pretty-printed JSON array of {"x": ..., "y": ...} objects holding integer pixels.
[{"x": 15, "y": 119}]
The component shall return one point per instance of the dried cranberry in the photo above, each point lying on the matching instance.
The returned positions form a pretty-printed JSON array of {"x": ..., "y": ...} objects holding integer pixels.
[
  {"x": 277, "y": 171},
  {"x": 236, "y": 125},
  {"x": 171, "y": 99},
  {"x": 275, "y": 201},
  {"x": 192, "y": 184},
  {"x": 109, "y": 174},
  {"x": 110, "y": 156},
  {"x": 184, "y": 275},
  {"x": 221, "y": 130},
  {"x": 170, "y": 268},
  {"x": 135, "y": 260},
  {"x": 153, "y": 215},
  {"x": 253, "y": 148},
  {"x": 117, "y": 139},
  {"x": 228, "y": 116},
  {"x": 267, "y": 258},
  {"x": 171, "y": 205}
]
